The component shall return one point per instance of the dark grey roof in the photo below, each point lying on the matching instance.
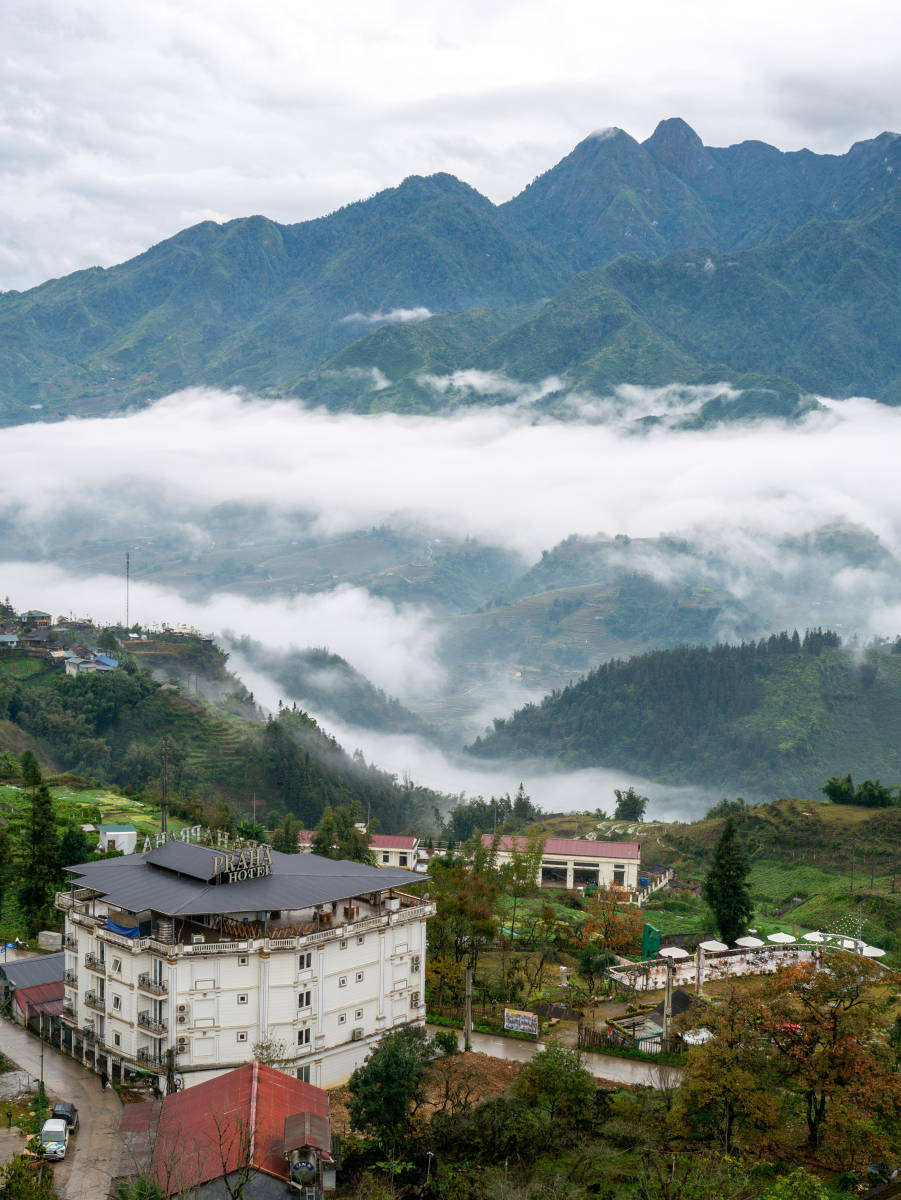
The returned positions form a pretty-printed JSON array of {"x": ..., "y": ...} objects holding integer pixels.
[
  {"x": 136, "y": 882},
  {"x": 28, "y": 972}
]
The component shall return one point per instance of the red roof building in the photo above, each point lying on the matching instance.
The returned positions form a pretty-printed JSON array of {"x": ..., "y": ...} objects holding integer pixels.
[
  {"x": 46, "y": 998},
  {"x": 576, "y": 862},
  {"x": 235, "y": 1123}
]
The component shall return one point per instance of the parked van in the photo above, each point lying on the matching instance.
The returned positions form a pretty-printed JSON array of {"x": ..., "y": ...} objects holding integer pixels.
[{"x": 55, "y": 1138}]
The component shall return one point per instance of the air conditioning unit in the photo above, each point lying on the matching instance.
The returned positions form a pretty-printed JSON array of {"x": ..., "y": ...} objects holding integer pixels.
[
  {"x": 184, "y": 1019},
  {"x": 414, "y": 999},
  {"x": 182, "y": 1043},
  {"x": 184, "y": 1008},
  {"x": 197, "y": 939},
  {"x": 414, "y": 962},
  {"x": 357, "y": 1035}
]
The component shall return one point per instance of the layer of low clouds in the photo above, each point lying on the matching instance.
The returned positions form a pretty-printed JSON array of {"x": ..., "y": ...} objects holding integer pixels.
[
  {"x": 123, "y": 123},
  {"x": 412, "y": 757},
  {"x": 395, "y": 648},
  {"x": 493, "y": 473}
]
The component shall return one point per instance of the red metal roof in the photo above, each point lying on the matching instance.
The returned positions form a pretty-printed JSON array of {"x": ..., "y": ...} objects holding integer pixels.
[
  {"x": 46, "y": 997},
  {"x": 568, "y": 847},
  {"x": 392, "y": 841},
  {"x": 213, "y": 1128}
]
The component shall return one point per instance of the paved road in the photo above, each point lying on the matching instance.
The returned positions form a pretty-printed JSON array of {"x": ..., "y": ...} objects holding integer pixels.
[
  {"x": 603, "y": 1066},
  {"x": 86, "y": 1171}
]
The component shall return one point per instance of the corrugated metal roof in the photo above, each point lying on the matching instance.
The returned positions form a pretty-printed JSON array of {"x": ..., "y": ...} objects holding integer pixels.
[
  {"x": 392, "y": 841},
  {"x": 45, "y": 997},
  {"x": 27, "y": 972},
  {"x": 137, "y": 882},
  {"x": 214, "y": 1128},
  {"x": 582, "y": 848}
]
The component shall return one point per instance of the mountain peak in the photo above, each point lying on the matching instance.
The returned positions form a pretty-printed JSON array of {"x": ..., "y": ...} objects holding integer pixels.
[{"x": 677, "y": 147}]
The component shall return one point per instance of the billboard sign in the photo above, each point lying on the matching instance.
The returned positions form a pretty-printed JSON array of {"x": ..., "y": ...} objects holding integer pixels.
[{"x": 521, "y": 1022}]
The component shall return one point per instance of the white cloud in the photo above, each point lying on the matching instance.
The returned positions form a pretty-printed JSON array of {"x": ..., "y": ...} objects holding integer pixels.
[
  {"x": 403, "y": 316},
  {"x": 395, "y": 648},
  {"x": 492, "y": 384},
  {"x": 123, "y": 123}
]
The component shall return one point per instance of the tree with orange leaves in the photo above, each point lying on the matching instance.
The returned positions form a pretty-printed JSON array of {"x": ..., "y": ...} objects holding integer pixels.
[
  {"x": 830, "y": 1048},
  {"x": 612, "y": 922}
]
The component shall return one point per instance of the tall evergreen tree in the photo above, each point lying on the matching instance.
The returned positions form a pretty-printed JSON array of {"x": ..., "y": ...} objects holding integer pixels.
[
  {"x": 726, "y": 886},
  {"x": 36, "y": 892}
]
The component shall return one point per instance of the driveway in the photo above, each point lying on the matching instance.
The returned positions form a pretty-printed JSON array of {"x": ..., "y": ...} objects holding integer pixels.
[
  {"x": 87, "y": 1168},
  {"x": 608, "y": 1067}
]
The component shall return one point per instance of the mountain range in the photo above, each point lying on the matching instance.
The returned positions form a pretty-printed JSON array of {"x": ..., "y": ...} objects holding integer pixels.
[{"x": 650, "y": 263}]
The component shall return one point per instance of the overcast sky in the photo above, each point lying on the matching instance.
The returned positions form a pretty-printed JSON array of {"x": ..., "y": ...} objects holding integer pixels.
[{"x": 122, "y": 123}]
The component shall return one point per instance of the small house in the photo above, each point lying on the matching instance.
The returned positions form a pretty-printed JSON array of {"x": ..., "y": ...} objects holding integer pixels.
[{"x": 117, "y": 837}]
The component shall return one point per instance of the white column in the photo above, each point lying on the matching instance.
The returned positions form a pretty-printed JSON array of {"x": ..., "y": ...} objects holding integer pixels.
[
  {"x": 264, "y": 995},
  {"x": 569, "y": 874},
  {"x": 172, "y": 1016},
  {"x": 320, "y": 988},
  {"x": 381, "y": 1008}
]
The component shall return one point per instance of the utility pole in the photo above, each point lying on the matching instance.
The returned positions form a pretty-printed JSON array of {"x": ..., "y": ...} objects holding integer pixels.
[
  {"x": 164, "y": 797},
  {"x": 668, "y": 999},
  {"x": 127, "y": 583},
  {"x": 852, "y": 869},
  {"x": 894, "y": 864},
  {"x": 467, "y": 1020}
]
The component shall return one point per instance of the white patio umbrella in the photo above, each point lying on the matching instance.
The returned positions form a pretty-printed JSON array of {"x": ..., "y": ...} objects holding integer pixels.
[
  {"x": 781, "y": 939},
  {"x": 849, "y": 944},
  {"x": 872, "y": 952},
  {"x": 713, "y": 946},
  {"x": 749, "y": 943},
  {"x": 816, "y": 936},
  {"x": 673, "y": 952}
]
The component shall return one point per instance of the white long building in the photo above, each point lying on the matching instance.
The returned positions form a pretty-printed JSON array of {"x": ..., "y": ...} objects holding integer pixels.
[
  {"x": 181, "y": 959},
  {"x": 574, "y": 862}
]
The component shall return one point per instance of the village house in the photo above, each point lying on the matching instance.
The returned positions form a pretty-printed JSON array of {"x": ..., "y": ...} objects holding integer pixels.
[
  {"x": 181, "y": 958},
  {"x": 388, "y": 849},
  {"x": 250, "y": 1131},
  {"x": 573, "y": 862}
]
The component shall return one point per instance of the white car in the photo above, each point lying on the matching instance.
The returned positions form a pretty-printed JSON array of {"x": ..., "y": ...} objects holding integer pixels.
[{"x": 55, "y": 1138}]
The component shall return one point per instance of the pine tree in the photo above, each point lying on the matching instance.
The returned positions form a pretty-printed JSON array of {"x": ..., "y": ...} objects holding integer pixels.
[
  {"x": 726, "y": 886},
  {"x": 36, "y": 892}
]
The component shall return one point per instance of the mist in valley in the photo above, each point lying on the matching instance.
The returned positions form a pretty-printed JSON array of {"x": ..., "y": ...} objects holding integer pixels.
[{"x": 462, "y": 563}]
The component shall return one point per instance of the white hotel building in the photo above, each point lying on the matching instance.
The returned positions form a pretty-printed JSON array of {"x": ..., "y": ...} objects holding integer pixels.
[{"x": 179, "y": 960}]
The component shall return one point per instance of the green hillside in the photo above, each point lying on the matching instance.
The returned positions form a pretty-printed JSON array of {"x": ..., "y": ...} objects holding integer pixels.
[
  {"x": 797, "y": 280},
  {"x": 776, "y": 717},
  {"x": 111, "y": 729}
]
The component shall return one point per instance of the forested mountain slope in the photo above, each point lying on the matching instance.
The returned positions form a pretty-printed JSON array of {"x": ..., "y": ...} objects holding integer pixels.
[
  {"x": 776, "y": 717},
  {"x": 112, "y": 727},
  {"x": 264, "y": 306}
]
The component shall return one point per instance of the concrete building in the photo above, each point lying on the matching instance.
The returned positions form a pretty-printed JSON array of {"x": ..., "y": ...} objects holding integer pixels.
[
  {"x": 117, "y": 837},
  {"x": 181, "y": 959},
  {"x": 388, "y": 849},
  {"x": 572, "y": 862}
]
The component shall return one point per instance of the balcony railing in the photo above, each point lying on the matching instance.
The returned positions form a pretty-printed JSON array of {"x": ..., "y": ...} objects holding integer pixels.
[
  {"x": 71, "y": 942},
  {"x": 95, "y": 1000},
  {"x": 146, "y": 1021},
  {"x": 95, "y": 963},
  {"x": 70, "y": 977},
  {"x": 156, "y": 987},
  {"x": 149, "y": 1058}
]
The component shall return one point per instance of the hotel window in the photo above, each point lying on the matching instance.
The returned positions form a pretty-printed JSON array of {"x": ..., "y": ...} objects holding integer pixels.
[
  {"x": 241, "y": 1035},
  {"x": 303, "y": 1036},
  {"x": 342, "y": 1019},
  {"x": 117, "y": 1003},
  {"x": 361, "y": 939},
  {"x": 117, "y": 1040},
  {"x": 342, "y": 982},
  {"x": 303, "y": 1074},
  {"x": 117, "y": 966},
  {"x": 403, "y": 860},
  {"x": 242, "y": 998},
  {"x": 305, "y": 961},
  {"x": 386, "y": 857},
  {"x": 242, "y": 960},
  {"x": 304, "y": 999},
  {"x": 344, "y": 944},
  {"x": 358, "y": 1016},
  {"x": 359, "y": 976}
]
